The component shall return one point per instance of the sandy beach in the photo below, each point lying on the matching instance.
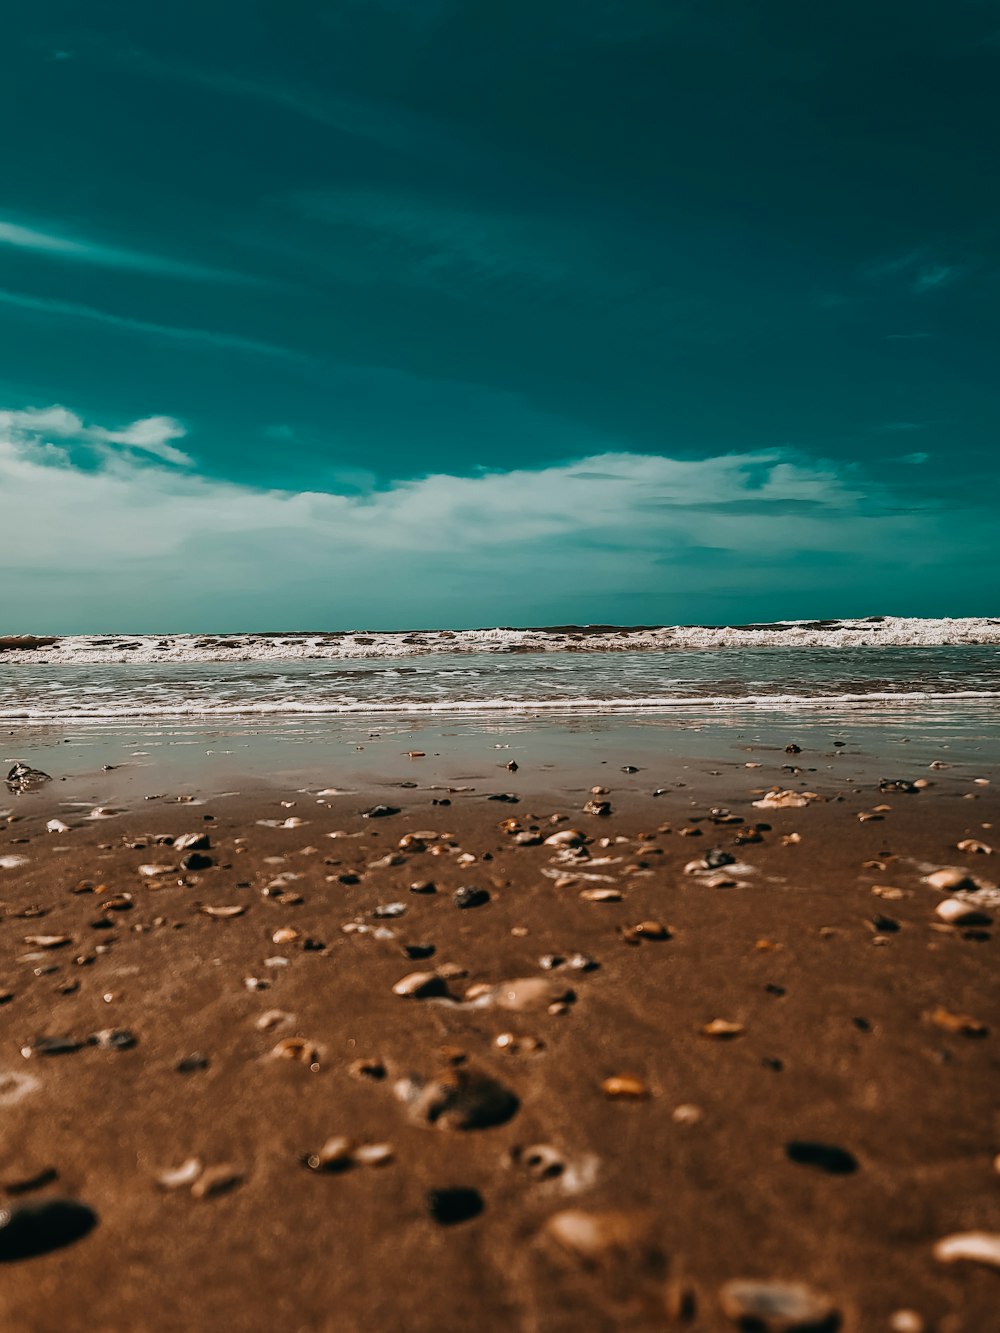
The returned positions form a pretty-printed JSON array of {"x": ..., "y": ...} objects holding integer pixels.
[{"x": 551, "y": 1050}]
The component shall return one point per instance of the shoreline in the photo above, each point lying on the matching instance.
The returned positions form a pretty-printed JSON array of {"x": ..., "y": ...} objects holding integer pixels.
[{"x": 597, "y": 1209}]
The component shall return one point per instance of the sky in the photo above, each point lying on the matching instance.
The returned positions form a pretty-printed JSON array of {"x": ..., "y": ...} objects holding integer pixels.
[{"x": 331, "y": 314}]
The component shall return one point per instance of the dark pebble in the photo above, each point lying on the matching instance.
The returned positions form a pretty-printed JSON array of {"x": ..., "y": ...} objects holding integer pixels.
[
  {"x": 449, "y": 1206},
  {"x": 418, "y": 950},
  {"x": 191, "y": 1064},
  {"x": 467, "y": 897},
  {"x": 380, "y": 812},
  {"x": 30, "y": 1229},
  {"x": 196, "y": 861},
  {"x": 824, "y": 1156}
]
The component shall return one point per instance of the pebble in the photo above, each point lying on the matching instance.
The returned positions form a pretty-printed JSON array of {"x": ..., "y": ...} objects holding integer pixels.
[
  {"x": 777, "y": 1307},
  {"x": 540, "y": 1161},
  {"x": 600, "y": 895},
  {"x": 979, "y": 1247},
  {"x": 907, "y": 1321},
  {"x": 950, "y": 877},
  {"x": 824, "y": 1156},
  {"x": 785, "y": 800},
  {"x": 973, "y": 847},
  {"x": 567, "y": 837},
  {"x": 420, "y": 986},
  {"x": 686, "y": 1114},
  {"x": 623, "y": 1087},
  {"x": 301, "y": 1049},
  {"x": 223, "y": 913},
  {"x": 154, "y": 871},
  {"x": 113, "y": 1039},
  {"x": 459, "y": 1098},
  {"x": 645, "y": 930},
  {"x": 470, "y": 897},
  {"x": 57, "y": 826},
  {"x": 596, "y": 807},
  {"x": 192, "y": 842},
  {"x": 528, "y": 993},
  {"x": 423, "y": 886},
  {"x": 48, "y": 941},
  {"x": 31, "y": 1229},
  {"x": 380, "y": 812},
  {"x": 958, "y": 912},
  {"x": 216, "y": 1180},
  {"x": 722, "y": 1028},
  {"x": 600, "y": 1239},
  {"x": 964, "y": 1024},
  {"x": 448, "y": 1207}
]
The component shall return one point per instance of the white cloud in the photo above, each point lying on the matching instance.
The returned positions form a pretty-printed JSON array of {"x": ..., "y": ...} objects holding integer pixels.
[
  {"x": 58, "y": 245},
  {"x": 132, "y": 543},
  {"x": 30, "y": 428}
]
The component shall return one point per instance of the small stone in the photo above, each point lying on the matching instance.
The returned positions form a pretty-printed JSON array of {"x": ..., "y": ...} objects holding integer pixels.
[
  {"x": 450, "y": 1206},
  {"x": 470, "y": 897},
  {"x": 51, "y": 1046},
  {"x": 595, "y": 807},
  {"x": 223, "y": 913},
  {"x": 606, "y": 1239},
  {"x": 964, "y": 1024},
  {"x": 380, "y": 812},
  {"x": 155, "y": 871},
  {"x": 973, "y": 847},
  {"x": 722, "y": 1028},
  {"x": 48, "y": 941},
  {"x": 389, "y": 911},
  {"x": 458, "y": 1098},
  {"x": 686, "y": 1114},
  {"x": 193, "y": 1064},
  {"x": 196, "y": 861},
  {"x": 420, "y": 986},
  {"x": 979, "y": 1247},
  {"x": 57, "y": 826},
  {"x": 336, "y": 1154},
  {"x": 907, "y": 1321},
  {"x": 950, "y": 877},
  {"x": 567, "y": 837},
  {"x": 529, "y": 993},
  {"x": 367, "y": 1068},
  {"x": 824, "y": 1156},
  {"x": 958, "y": 912},
  {"x": 113, "y": 1039},
  {"x": 30, "y": 1229},
  {"x": 645, "y": 930},
  {"x": 600, "y": 895},
  {"x": 623, "y": 1087},
  {"x": 216, "y": 1180},
  {"x": 778, "y": 1307},
  {"x": 423, "y": 886}
]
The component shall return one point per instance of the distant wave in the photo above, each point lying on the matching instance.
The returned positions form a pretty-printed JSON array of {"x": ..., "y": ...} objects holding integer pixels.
[
  {"x": 206, "y": 710},
  {"x": 145, "y": 649}
]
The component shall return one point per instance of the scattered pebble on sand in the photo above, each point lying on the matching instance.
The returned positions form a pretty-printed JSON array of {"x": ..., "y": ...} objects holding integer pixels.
[
  {"x": 624, "y": 1087},
  {"x": 979, "y": 1247},
  {"x": 777, "y": 1307},
  {"x": 457, "y": 1099}
]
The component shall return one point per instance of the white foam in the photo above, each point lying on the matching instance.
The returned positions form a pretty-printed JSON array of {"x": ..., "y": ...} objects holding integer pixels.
[
  {"x": 199, "y": 710},
  {"x": 886, "y": 632}
]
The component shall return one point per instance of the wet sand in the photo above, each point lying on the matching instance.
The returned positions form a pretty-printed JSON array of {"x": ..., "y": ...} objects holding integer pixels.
[{"x": 782, "y": 1075}]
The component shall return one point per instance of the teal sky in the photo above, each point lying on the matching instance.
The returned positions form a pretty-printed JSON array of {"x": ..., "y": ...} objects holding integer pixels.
[{"x": 436, "y": 312}]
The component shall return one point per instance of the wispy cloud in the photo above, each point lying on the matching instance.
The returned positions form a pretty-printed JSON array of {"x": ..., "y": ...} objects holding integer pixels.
[
  {"x": 80, "y": 250},
  {"x": 32, "y": 429},
  {"x": 70, "y": 310},
  {"x": 918, "y": 270},
  {"x": 441, "y": 547}
]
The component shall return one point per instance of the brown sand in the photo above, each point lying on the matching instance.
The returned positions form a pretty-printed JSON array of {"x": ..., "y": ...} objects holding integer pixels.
[{"x": 835, "y": 1046}]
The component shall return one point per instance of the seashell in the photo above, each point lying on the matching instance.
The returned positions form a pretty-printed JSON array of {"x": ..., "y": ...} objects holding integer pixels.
[
  {"x": 301, "y": 1049},
  {"x": 777, "y": 1307},
  {"x": 192, "y": 842},
  {"x": 57, "y": 826},
  {"x": 458, "y": 1098},
  {"x": 624, "y": 1087},
  {"x": 958, "y": 912},
  {"x": 223, "y": 913},
  {"x": 420, "y": 986},
  {"x": 272, "y": 1018},
  {"x": 974, "y": 848},
  {"x": 528, "y": 993},
  {"x": 117, "y": 902},
  {"x": 367, "y": 1068},
  {"x": 335, "y": 1155},
  {"x": 567, "y": 837},
  {"x": 374, "y": 1154},
  {"x": 285, "y": 935},
  {"x": 423, "y": 886},
  {"x": 595, "y": 807},
  {"x": 216, "y": 1180},
  {"x": 30, "y": 1229},
  {"x": 48, "y": 941},
  {"x": 722, "y": 1028},
  {"x": 387, "y": 911},
  {"x": 177, "y": 1177},
  {"x": 645, "y": 930},
  {"x": 980, "y": 1247},
  {"x": 154, "y": 871},
  {"x": 785, "y": 800},
  {"x": 686, "y": 1114},
  {"x": 964, "y": 1024},
  {"x": 600, "y": 896}
]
